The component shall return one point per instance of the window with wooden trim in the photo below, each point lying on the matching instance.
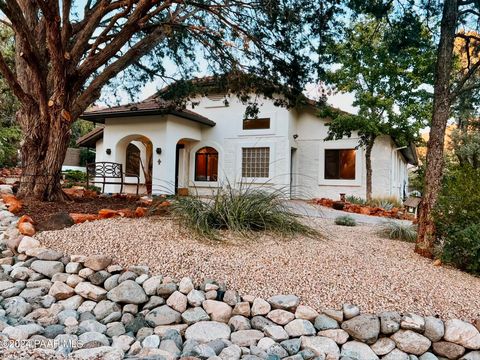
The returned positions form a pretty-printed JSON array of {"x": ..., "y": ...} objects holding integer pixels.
[
  {"x": 255, "y": 162},
  {"x": 256, "y": 124},
  {"x": 132, "y": 163},
  {"x": 206, "y": 164},
  {"x": 340, "y": 164}
]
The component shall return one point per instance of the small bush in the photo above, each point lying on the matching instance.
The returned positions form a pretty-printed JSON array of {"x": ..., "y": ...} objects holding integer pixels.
[
  {"x": 387, "y": 203},
  {"x": 75, "y": 176},
  {"x": 457, "y": 215},
  {"x": 244, "y": 211},
  {"x": 352, "y": 199},
  {"x": 462, "y": 248},
  {"x": 399, "y": 231},
  {"x": 345, "y": 220}
]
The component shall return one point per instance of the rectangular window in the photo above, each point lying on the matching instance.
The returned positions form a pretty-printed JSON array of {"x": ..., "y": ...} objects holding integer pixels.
[
  {"x": 256, "y": 124},
  {"x": 340, "y": 164},
  {"x": 255, "y": 162}
]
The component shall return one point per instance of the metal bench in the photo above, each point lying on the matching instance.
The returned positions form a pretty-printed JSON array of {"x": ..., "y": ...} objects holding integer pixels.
[{"x": 108, "y": 172}]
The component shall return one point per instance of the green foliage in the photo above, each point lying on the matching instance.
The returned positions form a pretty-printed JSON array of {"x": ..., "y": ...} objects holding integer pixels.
[
  {"x": 8, "y": 102},
  {"x": 458, "y": 203},
  {"x": 387, "y": 75},
  {"x": 87, "y": 156},
  {"x": 345, "y": 220},
  {"x": 398, "y": 231},
  {"x": 75, "y": 176},
  {"x": 462, "y": 248},
  {"x": 243, "y": 211},
  {"x": 79, "y": 128},
  {"x": 10, "y": 134},
  {"x": 466, "y": 146},
  {"x": 352, "y": 199},
  {"x": 457, "y": 215},
  {"x": 9, "y": 143},
  {"x": 385, "y": 202}
]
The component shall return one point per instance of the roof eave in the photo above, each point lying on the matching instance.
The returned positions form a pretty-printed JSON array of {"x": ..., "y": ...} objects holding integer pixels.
[{"x": 100, "y": 117}]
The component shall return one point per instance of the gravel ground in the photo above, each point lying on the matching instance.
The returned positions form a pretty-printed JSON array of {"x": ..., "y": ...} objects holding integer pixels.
[{"x": 350, "y": 265}]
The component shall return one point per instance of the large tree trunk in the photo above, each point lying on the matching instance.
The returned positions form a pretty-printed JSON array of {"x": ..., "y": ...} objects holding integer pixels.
[
  {"x": 43, "y": 152},
  {"x": 441, "y": 113},
  {"x": 368, "y": 164}
]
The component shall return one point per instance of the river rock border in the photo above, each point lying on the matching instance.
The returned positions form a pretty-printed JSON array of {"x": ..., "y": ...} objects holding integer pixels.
[{"x": 60, "y": 306}]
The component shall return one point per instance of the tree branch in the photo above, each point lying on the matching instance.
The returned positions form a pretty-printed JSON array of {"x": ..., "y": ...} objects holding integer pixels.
[
  {"x": 66, "y": 25},
  {"x": 458, "y": 89},
  {"x": 94, "y": 61},
  {"x": 12, "y": 82},
  {"x": 15, "y": 14},
  {"x": 92, "y": 92}
]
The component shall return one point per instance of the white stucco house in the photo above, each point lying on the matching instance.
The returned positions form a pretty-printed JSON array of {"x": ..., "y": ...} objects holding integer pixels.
[{"x": 209, "y": 144}]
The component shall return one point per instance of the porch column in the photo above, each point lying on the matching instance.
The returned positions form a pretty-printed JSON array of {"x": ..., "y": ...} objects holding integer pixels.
[{"x": 164, "y": 168}]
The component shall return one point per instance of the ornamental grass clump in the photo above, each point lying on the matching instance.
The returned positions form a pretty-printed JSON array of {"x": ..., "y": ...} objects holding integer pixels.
[
  {"x": 345, "y": 220},
  {"x": 245, "y": 211},
  {"x": 398, "y": 231}
]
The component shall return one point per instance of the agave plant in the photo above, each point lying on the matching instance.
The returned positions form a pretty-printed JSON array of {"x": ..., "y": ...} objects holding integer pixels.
[
  {"x": 399, "y": 230},
  {"x": 345, "y": 220}
]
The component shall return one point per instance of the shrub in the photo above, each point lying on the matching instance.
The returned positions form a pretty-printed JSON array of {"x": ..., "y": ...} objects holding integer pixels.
[
  {"x": 9, "y": 145},
  {"x": 345, "y": 220},
  {"x": 462, "y": 248},
  {"x": 385, "y": 202},
  {"x": 457, "y": 215},
  {"x": 244, "y": 211},
  {"x": 75, "y": 176},
  {"x": 398, "y": 230},
  {"x": 352, "y": 199},
  {"x": 87, "y": 156}
]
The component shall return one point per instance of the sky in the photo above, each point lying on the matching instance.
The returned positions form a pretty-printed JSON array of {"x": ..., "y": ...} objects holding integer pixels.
[{"x": 341, "y": 101}]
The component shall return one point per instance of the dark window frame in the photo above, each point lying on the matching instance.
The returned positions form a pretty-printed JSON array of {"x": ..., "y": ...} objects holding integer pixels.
[
  {"x": 339, "y": 164},
  {"x": 257, "y": 121},
  {"x": 206, "y": 161}
]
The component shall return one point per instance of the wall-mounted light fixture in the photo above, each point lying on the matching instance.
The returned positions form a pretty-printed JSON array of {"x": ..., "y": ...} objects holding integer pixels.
[
  {"x": 158, "y": 151},
  {"x": 295, "y": 136},
  {"x": 109, "y": 151}
]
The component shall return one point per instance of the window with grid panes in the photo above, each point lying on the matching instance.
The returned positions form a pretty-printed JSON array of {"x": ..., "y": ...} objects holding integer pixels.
[{"x": 255, "y": 162}]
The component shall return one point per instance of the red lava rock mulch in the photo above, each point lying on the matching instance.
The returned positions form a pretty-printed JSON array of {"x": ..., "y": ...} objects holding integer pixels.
[{"x": 394, "y": 213}]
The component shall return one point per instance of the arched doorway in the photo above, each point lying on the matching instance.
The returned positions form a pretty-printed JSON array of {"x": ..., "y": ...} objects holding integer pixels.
[{"x": 135, "y": 152}]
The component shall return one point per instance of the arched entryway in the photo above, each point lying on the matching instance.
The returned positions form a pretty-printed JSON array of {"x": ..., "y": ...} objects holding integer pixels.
[{"x": 135, "y": 153}]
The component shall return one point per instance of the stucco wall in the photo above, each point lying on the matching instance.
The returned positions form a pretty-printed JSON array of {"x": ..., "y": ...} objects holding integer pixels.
[{"x": 301, "y": 130}]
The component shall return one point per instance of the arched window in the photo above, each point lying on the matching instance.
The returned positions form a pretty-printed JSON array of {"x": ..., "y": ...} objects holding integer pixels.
[
  {"x": 132, "y": 166},
  {"x": 206, "y": 164}
]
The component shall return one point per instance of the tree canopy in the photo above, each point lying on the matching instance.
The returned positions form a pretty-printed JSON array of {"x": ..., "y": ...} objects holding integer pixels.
[
  {"x": 9, "y": 133},
  {"x": 67, "y": 51},
  {"x": 389, "y": 77}
]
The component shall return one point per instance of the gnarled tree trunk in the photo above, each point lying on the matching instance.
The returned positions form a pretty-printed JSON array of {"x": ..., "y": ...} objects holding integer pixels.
[
  {"x": 43, "y": 152},
  {"x": 441, "y": 113}
]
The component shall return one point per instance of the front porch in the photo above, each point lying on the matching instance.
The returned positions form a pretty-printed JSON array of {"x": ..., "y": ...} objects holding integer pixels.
[{"x": 165, "y": 152}]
